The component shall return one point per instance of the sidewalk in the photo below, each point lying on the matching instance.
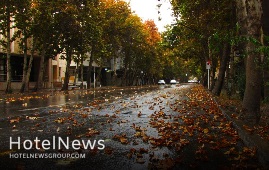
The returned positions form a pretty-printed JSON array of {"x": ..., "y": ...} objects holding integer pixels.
[{"x": 249, "y": 134}]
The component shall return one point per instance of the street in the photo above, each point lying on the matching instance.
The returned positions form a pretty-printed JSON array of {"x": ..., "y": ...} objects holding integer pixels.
[{"x": 158, "y": 127}]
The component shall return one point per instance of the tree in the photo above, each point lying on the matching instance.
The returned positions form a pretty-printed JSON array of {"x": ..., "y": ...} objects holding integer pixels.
[
  {"x": 152, "y": 50},
  {"x": 116, "y": 14},
  {"x": 199, "y": 22},
  {"x": 45, "y": 34},
  {"x": 265, "y": 59},
  {"x": 132, "y": 36},
  {"x": 24, "y": 22},
  {"x": 69, "y": 29},
  {"x": 7, "y": 20},
  {"x": 252, "y": 96}
]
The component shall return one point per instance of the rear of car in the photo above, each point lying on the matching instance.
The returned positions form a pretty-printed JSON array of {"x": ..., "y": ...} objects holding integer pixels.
[
  {"x": 161, "y": 82},
  {"x": 173, "y": 82}
]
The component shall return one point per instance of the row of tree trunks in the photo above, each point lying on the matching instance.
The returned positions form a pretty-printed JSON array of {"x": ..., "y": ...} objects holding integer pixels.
[{"x": 249, "y": 15}]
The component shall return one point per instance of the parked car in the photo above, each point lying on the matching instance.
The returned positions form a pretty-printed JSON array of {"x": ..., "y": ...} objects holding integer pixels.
[
  {"x": 173, "y": 82},
  {"x": 195, "y": 80},
  {"x": 161, "y": 82}
]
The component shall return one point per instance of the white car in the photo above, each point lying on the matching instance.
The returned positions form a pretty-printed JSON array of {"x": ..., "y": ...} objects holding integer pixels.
[
  {"x": 173, "y": 82},
  {"x": 161, "y": 82}
]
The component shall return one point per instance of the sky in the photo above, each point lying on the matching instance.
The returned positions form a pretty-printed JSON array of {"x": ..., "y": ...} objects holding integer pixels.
[{"x": 147, "y": 9}]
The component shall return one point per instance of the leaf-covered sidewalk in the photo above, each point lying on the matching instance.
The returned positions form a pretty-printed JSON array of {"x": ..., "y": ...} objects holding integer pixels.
[{"x": 200, "y": 134}]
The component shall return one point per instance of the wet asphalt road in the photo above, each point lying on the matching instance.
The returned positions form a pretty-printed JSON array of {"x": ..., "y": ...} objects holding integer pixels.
[{"x": 150, "y": 128}]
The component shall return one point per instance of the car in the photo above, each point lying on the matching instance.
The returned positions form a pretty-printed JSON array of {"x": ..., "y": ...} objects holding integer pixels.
[
  {"x": 161, "y": 82},
  {"x": 193, "y": 81},
  {"x": 173, "y": 82}
]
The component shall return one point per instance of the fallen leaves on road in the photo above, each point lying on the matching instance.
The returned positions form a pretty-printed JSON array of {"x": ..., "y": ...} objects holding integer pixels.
[
  {"x": 92, "y": 132},
  {"x": 192, "y": 123},
  {"x": 198, "y": 119}
]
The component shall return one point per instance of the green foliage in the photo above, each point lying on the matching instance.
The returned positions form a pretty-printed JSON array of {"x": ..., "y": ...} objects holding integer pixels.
[{"x": 200, "y": 20}]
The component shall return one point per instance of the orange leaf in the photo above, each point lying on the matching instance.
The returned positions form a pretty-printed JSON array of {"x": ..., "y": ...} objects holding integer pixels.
[{"x": 123, "y": 140}]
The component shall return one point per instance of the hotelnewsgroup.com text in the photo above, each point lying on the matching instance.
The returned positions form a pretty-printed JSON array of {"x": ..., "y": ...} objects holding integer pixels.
[{"x": 47, "y": 155}]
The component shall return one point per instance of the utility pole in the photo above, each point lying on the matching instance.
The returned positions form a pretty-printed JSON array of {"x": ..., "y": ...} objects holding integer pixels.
[{"x": 208, "y": 66}]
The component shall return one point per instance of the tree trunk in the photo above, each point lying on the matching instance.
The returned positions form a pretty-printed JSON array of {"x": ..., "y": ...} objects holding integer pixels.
[
  {"x": 252, "y": 96},
  {"x": 67, "y": 75},
  {"x": 265, "y": 6},
  {"x": 81, "y": 71},
  {"x": 213, "y": 73},
  {"x": 24, "y": 74},
  {"x": 8, "y": 85},
  {"x": 29, "y": 71},
  {"x": 223, "y": 65},
  {"x": 30, "y": 65},
  {"x": 114, "y": 77},
  {"x": 39, "y": 82},
  {"x": 99, "y": 77},
  {"x": 89, "y": 72}
]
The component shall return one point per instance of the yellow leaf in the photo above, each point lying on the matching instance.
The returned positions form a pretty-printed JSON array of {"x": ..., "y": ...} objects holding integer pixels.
[{"x": 206, "y": 130}]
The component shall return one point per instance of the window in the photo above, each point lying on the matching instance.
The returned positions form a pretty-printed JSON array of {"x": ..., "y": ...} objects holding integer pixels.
[{"x": 3, "y": 70}]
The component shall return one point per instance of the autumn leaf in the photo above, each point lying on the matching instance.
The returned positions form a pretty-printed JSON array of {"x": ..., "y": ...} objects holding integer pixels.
[
  {"x": 248, "y": 129},
  {"x": 206, "y": 131},
  {"x": 140, "y": 160},
  {"x": 92, "y": 132},
  {"x": 108, "y": 150},
  {"x": 123, "y": 140},
  {"x": 137, "y": 134},
  {"x": 124, "y": 121},
  {"x": 129, "y": 155},
  {"x": 143, "y": 150},
  {"x": 14, "y": 120}
]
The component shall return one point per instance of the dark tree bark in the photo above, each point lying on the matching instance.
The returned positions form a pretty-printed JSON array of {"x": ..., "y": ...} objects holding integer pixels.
[
  {"x": 25, "y": 46},
  {"x": 252, "y": 96},
  {"x": 39, "y": 83},
  {"x": 81, "y": 71},
  {"x": 89, "y": 71},
  {"x": 265, "y": 21},
  {"x": 8, "y": 48},
  {"x": 67, "y": 74},
  {"x": 30, "y": 63},
  {"x": 222, "y": 69}
]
